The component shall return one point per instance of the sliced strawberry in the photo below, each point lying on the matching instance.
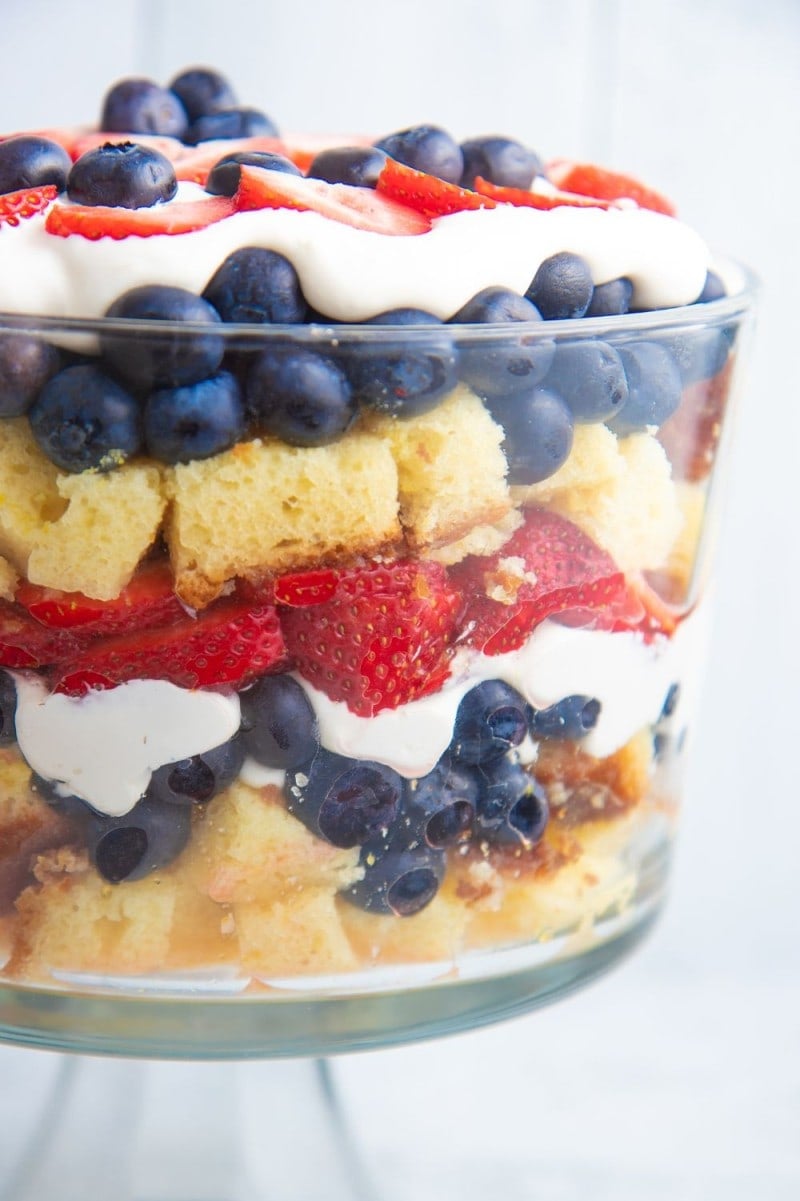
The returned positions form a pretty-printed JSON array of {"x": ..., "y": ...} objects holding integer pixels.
[
  {"x": 230, "y": 643},
  {"x": 548, "y": 566},
  {"x": 360, "y": 207},
  {"x": 588, "y": 180},
  {"x": 194, "y": 164},
  {"x": 427, "y": 193},
  {"x": 148, "y": 600},
  {"x": 17, "y": 206},
  {"x": 99, "y": 221},
  {"x": 383, "y": 638},
  {"x": 303, "y": 148},
  {"x": 303, "y": 588},
  {"x": 171, "y": 148},
  {"x": 24, "y": 642},
  {"x": 537, "y": 200}
]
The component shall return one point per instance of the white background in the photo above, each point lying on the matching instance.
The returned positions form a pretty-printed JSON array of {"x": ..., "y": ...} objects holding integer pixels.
[{"x": 679, "y": 1077}]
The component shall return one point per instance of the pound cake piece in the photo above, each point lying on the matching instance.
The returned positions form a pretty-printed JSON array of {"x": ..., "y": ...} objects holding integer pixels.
[
  {"x": 8, "y": 580},
  {"x": 597, "y": 883},
  {"x": 266, "y": 507},
  {"x": 451, "y": 469},
  {"x": 118, "y": 515},
  {"x": 636, "y": 515},
  {"x": 247, "y": 848},
  {"x": 29, "y": 496},
  {"x": 594, "y": 461},
  {"x": 75, "y": 920},
  {"x": 302, "y": 933},
  {"x": 435, "y": 934},
  {"x": 28, "y": 825}
]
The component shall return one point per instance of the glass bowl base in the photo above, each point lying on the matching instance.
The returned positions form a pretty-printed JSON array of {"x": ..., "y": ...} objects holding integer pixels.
[{"x": 186, "y": 1019}]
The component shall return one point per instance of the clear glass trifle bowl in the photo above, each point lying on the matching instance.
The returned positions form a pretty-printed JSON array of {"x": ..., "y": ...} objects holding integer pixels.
[{"x": 369, "y": 721}]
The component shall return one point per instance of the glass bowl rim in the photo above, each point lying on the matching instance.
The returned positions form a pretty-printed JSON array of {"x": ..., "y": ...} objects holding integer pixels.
[{"x": 333, "y": 335}]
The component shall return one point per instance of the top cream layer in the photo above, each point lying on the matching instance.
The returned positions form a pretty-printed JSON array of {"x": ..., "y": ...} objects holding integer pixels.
[{"x": 350, "y": 274}]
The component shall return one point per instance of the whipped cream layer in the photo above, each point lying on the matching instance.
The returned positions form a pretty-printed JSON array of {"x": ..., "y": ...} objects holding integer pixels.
[
  {"x": 351, "y": 274},
  {"x": 629, "y": 677},
  {"x": 103, "y": 747}
]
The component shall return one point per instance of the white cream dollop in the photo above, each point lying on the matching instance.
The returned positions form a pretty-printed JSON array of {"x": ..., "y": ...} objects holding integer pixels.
[{"x": 104, "y": 747}]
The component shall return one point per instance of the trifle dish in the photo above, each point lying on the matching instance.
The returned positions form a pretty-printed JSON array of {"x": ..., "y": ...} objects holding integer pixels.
[{"x": 352, "y": 494}]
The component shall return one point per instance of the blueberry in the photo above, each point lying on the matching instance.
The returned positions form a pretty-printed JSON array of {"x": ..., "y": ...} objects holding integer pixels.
[
  {"x": 358, "y": 166},
  {"x": 223, "y": 178},
  {"x": 299, "y": 395},
  {"x": 571, "y": 717},
  {"x": 84, "y": 420},
  {"x": 700, "y": 353},
  {"x": 397, "y": 883},
  {"x": 438, "y": 809},
  {"x": 123, "y": 175},
  {"x": 195, "y": 421},
  {"x": 8, "y": 709},
  {"x": 538, "y": 431},
  {"x": 512, "y": 807},
  {"x": 654, "y": 387},
  {"x": 196, "y": 780},
  {"x": 346, "y": 801},
  {"x": 713, "y": 288},
  {"x": 26, "y": 364},
  {"x": 141, "y": 106},
  {"x": 168, "y": 358},
  {"x": 426, "y": 148},
  {"x": 279, "y": 726},
  {"x": 27, "y": 161},
  {"x": 257, "y": 287},
  {"x": 562, "y": 287},
  {"x": 611, "y": 299},
  {"x": 491, "y": 719},
  {"x": 590, "y": 377},
  {"x": 499, "y": 160},
  {"x": 147, "y": 838},
  {"x": 202, "y": 91},
  {"x": 499, "y": 368},
  {"x": 230, "y": 123},
  {"x": 405, "y": 377}
]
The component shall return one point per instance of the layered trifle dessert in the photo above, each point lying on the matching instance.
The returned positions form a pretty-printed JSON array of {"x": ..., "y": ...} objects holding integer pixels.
[{"x": 351, "y": 502}]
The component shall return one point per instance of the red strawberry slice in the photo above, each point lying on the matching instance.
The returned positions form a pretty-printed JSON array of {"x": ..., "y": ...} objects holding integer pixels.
[
  {"x": 537, "y": 200},
  {"x": 359, "y": 207},
  {"x": 230, "y": 643},
  {"x": 427, "y": 193},
  {"x": 99, "y": 221},
  {"x": 24, "y": 642},
  {"x": 303, "y": 148},
  {"x": 548, "y": 566},
  {"x": 303, "y": 588},
  {"x": 588, "y": 180},
  {"x": 383, "y": 638},
  {"x": 17, "y": 206},
  {"x": 148, "y": 600}
]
